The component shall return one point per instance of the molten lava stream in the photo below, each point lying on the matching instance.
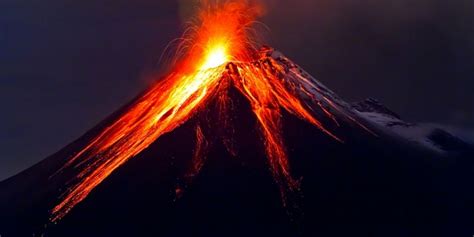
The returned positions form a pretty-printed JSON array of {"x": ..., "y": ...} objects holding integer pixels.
[
  {"x": 219, "y": 36},
  {"x": 159, "y": 111}
]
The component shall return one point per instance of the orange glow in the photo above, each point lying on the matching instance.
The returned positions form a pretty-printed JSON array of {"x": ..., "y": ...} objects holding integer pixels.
[
  {"x": 218, "y": 50},
  {"x": 216, "y": 57}
]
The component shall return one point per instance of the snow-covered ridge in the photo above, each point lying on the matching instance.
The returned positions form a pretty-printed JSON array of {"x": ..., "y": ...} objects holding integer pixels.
[{"x": 436, "y": 137}]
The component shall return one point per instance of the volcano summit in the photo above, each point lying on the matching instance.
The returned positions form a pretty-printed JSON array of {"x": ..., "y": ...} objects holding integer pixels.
[{"x": 241, "y": 141}]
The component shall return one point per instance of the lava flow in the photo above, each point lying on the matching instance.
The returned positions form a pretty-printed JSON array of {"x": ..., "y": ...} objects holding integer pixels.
[{"x": 217, "y": 49}]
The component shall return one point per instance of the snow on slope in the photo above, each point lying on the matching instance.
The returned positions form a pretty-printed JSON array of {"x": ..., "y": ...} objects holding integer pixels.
[{"x": 433, "y": 136}]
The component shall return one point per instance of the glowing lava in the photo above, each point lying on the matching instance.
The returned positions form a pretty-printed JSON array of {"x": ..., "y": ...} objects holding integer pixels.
[
  {"x": 218, "y": 50},
  {"x": 216, "y": 57}
]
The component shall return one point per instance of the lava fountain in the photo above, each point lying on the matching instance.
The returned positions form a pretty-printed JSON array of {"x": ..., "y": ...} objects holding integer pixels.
[{"x": 216, "y": 49}]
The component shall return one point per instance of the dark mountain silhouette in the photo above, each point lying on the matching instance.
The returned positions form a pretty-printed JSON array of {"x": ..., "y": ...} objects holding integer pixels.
[{"x": 388, "y": 184}]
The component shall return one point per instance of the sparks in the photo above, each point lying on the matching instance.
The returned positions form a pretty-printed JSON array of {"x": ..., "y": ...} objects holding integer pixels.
[{"x": 219, "y": 49}]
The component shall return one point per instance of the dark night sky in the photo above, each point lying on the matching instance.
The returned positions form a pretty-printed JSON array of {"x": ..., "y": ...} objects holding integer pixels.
[{"x": 65, "y": 65}]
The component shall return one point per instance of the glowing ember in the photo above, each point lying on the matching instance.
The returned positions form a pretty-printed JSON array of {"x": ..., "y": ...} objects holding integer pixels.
[{"x": 217, "y": 51}]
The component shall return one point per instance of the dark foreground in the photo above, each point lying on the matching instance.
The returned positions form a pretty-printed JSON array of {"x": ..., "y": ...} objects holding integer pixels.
[{"x": 368, "y": 186}]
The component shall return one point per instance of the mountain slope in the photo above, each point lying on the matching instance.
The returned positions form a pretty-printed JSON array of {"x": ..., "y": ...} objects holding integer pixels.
[{"x": 375, "y": 183}]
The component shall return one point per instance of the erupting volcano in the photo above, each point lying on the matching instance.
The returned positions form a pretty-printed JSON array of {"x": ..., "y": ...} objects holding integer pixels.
[
  {"x": 220, "y": 71},
  {"x": 219, "y": 54}
]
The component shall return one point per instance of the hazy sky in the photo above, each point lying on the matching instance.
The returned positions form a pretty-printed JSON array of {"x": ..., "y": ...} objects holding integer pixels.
[{"x": 65, "y": 65}]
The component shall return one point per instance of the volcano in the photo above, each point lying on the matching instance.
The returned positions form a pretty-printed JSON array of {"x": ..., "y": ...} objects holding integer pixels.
[
  {"x": 376, "y": 182},
  {"x": 239, "y": 141}
]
